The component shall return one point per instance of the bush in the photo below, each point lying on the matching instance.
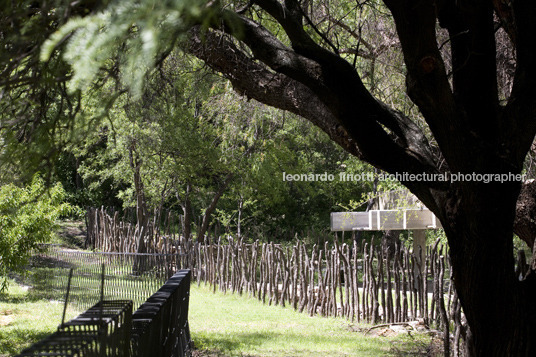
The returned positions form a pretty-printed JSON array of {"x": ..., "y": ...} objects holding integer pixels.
[{"x": 27, "y": 218}]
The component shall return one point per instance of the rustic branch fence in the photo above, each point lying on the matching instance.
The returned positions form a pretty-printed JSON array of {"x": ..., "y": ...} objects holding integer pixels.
[
  {"x": 360, "y": 282},
  {"x": 108, "y": 231}
]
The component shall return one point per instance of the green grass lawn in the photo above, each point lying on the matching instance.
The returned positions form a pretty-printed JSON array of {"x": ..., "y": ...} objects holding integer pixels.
[
  {"x": 233, "y": 325},
  {"x": 25, "y": 319},
  {"x": 221, "y": 325}
]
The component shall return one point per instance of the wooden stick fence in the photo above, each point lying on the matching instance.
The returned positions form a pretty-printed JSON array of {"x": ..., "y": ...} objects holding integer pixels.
[
  {"x": 358, "y": 282},
  {"x": 361, "y": 282},
  {"x": 111, "y": 233}
]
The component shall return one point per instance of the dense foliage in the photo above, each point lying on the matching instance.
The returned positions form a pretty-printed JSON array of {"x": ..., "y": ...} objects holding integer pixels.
[
  {"x": 191, "y": 145},
  {"x": 27, "y": 219}
]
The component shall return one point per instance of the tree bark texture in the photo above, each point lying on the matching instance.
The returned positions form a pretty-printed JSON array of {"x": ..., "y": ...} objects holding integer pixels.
[
  {"x": 525, "y": 221},
  {"x": 142, "y": 214}
]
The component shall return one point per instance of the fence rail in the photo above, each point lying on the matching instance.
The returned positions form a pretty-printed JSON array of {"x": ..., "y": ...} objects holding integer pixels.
[{"x": 160, "y": 325}]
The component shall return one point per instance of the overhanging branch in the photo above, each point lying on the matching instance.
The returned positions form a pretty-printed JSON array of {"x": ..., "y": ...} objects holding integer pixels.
[
  {"x": 274, "y": 89},
  {"x": 519, "y": 119},
  {"x": 405, "y": 148}
]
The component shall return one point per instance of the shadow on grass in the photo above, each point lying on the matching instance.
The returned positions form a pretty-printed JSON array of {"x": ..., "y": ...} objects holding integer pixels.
[
  {"x": 231, "y": 345},
  {"x": 13, "y": 340},
  {"x": 42, "y": 261},
  {"x": 49, "y": 283},
  {"x": 35, "y": 293}
]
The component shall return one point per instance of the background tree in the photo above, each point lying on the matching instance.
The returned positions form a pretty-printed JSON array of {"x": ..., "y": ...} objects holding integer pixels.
[
  {"x": 189, "y": 141},
  {"x": 34, "y": 103}
]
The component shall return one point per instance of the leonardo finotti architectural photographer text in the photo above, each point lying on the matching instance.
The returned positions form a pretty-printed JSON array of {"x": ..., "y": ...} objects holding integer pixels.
[{"x": 406, "y": 177}]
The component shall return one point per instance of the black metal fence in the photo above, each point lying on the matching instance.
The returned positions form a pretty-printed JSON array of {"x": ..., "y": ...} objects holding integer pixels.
[
  {"x": 158, "y": 328},
  {"x": 160, "y": 325},
  {"x": 128, "y": 276},
  {"x": 103, "y": 330}
]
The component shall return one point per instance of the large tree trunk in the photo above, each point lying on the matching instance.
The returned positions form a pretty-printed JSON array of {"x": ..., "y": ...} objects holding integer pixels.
[
  {"x": 390, "y": 239},
  {"x": 499, "y": 308},
  {"x": 142, "y": 216}
]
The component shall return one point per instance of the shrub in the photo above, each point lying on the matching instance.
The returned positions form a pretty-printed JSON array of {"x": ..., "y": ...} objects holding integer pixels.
[{"x": 27, "y": 218}]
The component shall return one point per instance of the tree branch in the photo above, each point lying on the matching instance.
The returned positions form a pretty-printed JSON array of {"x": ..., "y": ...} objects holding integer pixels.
[
  {"x": 289, "y": 15},
  {"x": 309, "y": 75},
  {"x": 505, "y": 13},
  {"x": 474, "y": 68},
  {"x": 404, "y": 149},
  {"x": 427, "y": 82},
  {"x": 256, "y": 81}
]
